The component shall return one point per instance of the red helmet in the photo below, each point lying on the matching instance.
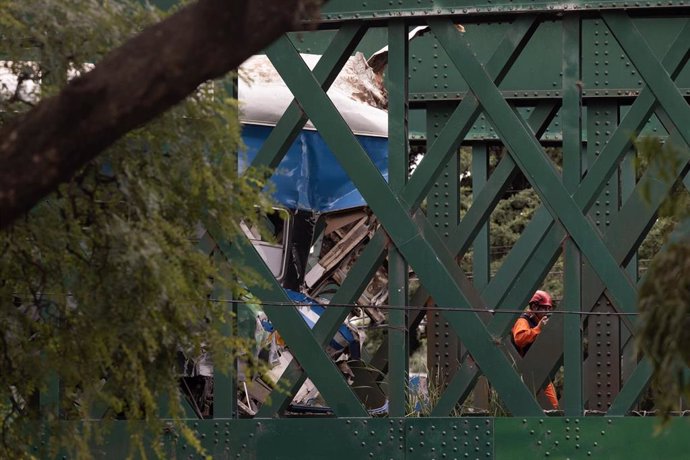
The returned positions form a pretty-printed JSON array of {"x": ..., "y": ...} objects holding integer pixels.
[{"x": 541, "y": 298}]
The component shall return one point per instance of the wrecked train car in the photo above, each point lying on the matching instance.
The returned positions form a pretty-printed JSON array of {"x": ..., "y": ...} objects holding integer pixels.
[{"x": 319, "y": 226}]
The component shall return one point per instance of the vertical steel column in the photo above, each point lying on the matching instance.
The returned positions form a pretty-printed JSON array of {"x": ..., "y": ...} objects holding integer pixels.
[
  {"x": 571, "y": 114},
  {"x": 225, "y": 380},
  {"x": 481, "y": 256},
  {"x": 443, "y": 212},
  {"x": 398, "y": 164},
  {"x": 628, "y": 352},
  {"x": 481, "y": 260},
  {"x": 603, "y": 332}
]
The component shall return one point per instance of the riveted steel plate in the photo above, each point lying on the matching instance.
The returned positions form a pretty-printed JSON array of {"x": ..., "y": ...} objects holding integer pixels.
[
  {"x": 591, "y": 437},
  {"x": 339, "y": 10},
  {"x": 304, "y": 438},
  {"x": 449, "y": 438}
]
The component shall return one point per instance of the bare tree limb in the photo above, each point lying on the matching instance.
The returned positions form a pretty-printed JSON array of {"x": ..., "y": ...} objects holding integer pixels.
[{"x": 133, "y": 84}]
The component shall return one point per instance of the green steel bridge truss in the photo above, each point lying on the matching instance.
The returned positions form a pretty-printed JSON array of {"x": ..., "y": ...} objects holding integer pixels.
[{"x": 586, "y": 76}]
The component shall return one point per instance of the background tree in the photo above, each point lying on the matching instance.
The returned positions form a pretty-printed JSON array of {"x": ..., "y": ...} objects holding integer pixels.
[
  {"x": 664, "y": 296},
  {"x": 100, "y": 284},
  {"x": 129, "y": 86}
]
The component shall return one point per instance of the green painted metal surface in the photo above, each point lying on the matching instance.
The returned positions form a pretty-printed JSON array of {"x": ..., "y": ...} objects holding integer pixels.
[
  {"x": 420, "y": 246},
  {"x": 572, "y": 400},
  {"x": 339, "y": 10},
  {"x": 424, "y": 438},
  {"x": 592, "y": 437},
  {"x": 398, "y": 164}
]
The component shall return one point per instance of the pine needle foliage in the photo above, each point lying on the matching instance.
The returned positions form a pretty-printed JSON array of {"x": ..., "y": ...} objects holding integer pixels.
[{"x": 101, "y": 285}]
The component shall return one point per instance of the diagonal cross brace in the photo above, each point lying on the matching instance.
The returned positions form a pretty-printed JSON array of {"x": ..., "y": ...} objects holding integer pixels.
[
  {"x": 270, "y": 155},
  {"x": 652, "y": 71},
  {"x": 325, "y": 328},
  {"x": 542, "y": 237},
  {"x": 482, "y": 206},
  {"x": 529, "y": 156},
  {"x": 295, "y": 331},
  {"x": 421, "y": 247},
  {"x": 325, "y": 71},
  {"x": 466, "y": 112}
]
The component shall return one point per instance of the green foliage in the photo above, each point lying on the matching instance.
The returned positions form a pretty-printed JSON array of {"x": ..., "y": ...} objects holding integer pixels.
[
  {"x": 664, "y": 297},
  {"x": 664, "y": 323},
  {"x": 667, "y": 161},
  {"x": 101, "y": 285}
]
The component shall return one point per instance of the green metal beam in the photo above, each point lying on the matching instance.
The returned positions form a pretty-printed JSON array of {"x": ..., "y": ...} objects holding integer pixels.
[
  {"x": 540, "y": 242},
  {"x": 628, "y": 304},
  {"x": 356, "y": 281},
  {"x": 326, "y": 70},
  {"x": 419, "y": 438},
  {"x": 484, "y": 203},
  {"x": 481, "y": 257},
  {"x": 655, "y": 75},
  {"x": 294, "y": 330},
  {"x": 588, "y": 437},
  {"x": 225, "y": 380},
  {"x": 398, "y": 164},
  {"x": 571, "y": 115},
  {"x": 499, "y": 63},
  {"x": 466, "y": 113},
  {"x": 338, "y": 11},
  {"x": 530, "y": 157},
  {"x": 510, "y": 274},
  {"x": 421, "y": 247}
]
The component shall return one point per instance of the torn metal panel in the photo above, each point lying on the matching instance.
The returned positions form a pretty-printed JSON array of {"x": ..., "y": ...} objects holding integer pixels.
[{"x": 345, "y": 236}]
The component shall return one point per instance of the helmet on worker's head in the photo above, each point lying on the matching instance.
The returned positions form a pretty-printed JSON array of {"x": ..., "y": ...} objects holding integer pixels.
[{"x": 541, "y": 298}]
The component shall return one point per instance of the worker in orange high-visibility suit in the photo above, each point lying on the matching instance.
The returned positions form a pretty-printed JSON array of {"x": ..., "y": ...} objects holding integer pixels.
[{"x": 528, "y": 327}]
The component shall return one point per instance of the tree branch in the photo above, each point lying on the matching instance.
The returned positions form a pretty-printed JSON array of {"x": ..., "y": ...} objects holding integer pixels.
[{"x": 132, "y": 85}]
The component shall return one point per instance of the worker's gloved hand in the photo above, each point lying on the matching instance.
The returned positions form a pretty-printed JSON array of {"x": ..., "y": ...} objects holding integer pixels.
[{"x": 543, "y": 321}]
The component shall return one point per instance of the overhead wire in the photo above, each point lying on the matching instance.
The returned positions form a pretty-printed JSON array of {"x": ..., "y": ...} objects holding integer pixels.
[
  {"x": 280, "y": 303},
  {"x": 284, "y": 304}
]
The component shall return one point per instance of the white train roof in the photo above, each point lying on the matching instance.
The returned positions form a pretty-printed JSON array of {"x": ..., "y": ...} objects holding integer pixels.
[{"x": 358, "y": 94}]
